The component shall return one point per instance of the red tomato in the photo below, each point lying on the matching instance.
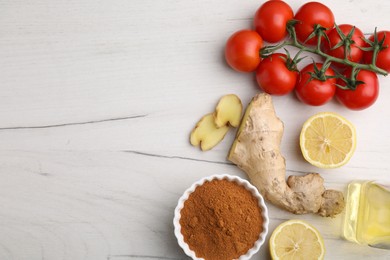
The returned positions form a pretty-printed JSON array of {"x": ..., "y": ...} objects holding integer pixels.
[
  {"x": 242, "y": 50},
  {"x": 355, "y": 54},
  {"x": 309, "y": 15},
  {"x": 274, "y": 77},
  {"x": 364, "y": 95},
  {"x": 271, "y": 19},
  {"x": 313, "y": 91},
  {"x": 383, "y": 58}
]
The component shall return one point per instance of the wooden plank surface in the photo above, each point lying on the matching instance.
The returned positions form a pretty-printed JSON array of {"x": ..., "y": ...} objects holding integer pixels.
[{"x": 97, "y": 99}]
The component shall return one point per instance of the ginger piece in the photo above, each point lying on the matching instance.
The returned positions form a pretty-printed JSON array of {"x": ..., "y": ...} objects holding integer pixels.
[
  {"x": 207, "y": 134},
  {"x": 228, "y": 111},
  {"x": 256, "y": 150},
  {"x": 212, "y": 128}
]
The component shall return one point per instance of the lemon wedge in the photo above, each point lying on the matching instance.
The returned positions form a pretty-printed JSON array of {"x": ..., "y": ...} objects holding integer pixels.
[
  {"x": 296, "y": 239},
  {"x": 327, "y": 140}
]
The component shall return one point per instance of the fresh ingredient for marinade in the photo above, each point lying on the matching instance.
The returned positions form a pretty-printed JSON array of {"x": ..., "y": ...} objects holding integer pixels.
[
  {"x": 363, "y": 95},
  {"x": 277, "y": 74},
  {"x": 312, "y": 17},
  {"x": 312, "y": 30},
  {"x": 212, "y": 128},
  {"x": 242, "y": 50},
  {"x": 221, "y": 220},
  {"x": 228, "y": 111},
  {"x": 345, "y": 42},
  {"x": 207, "y": 134},
  {"x": 256, "y": 150},
  {"x": 271, "y": 19},
  {"x": 296, "y": 240},
  {"x": 316, "y": 85},
  {"x": 381, "y": 42},
  {"x": 327, "y": 140}
]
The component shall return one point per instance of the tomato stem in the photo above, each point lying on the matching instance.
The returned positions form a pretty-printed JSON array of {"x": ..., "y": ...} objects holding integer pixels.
[{"x": 267, "y": 50}]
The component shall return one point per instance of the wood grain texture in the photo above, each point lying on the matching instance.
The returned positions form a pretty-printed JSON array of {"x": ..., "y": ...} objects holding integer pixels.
[{"x": 96, "y": 104}]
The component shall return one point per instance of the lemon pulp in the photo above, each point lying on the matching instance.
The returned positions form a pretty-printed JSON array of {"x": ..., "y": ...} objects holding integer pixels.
[
  {"x": 296, "y": 239},
  {"x": 327, "y": 140}
]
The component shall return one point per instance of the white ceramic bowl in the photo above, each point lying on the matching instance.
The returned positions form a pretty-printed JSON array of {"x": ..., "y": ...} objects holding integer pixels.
[{"x": 240, "y": 181}]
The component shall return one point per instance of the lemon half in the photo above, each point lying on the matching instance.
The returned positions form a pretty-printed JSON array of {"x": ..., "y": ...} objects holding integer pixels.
[
  {"x": 296, "y": 239},
  {"x": 327, "y": 140}
]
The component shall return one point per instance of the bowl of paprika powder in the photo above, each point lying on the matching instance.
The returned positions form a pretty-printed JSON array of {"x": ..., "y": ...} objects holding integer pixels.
[{"x": 221, "y": 217}]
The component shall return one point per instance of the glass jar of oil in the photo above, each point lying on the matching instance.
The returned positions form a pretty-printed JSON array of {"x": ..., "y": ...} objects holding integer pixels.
[{"x": 367, "y": 214}]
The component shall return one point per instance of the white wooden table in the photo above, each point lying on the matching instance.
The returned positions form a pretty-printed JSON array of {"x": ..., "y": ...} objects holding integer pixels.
[{"x": 97, "y": 100}]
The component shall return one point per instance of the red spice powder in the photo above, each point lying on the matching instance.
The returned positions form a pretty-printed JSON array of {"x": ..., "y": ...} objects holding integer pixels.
[{"x": 221, "y": 220}]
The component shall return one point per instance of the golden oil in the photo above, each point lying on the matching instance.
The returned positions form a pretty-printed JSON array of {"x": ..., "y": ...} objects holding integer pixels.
[{"x": 367, "y": 214}]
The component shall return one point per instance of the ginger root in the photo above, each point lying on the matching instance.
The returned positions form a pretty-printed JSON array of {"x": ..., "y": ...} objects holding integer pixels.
[
  {"x": 228, "y": 111},
  {"x": 256, "y": 150},
  {"x": 207, "y": 134},
  {"x": 212, "y": 128}
]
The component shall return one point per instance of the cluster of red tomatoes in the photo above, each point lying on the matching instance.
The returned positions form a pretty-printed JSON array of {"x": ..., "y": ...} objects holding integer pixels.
[{"x": 277, "y": 75}]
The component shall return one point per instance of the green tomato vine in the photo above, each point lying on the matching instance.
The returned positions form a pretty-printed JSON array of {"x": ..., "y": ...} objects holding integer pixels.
[{"x": 375, "y": 46}]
